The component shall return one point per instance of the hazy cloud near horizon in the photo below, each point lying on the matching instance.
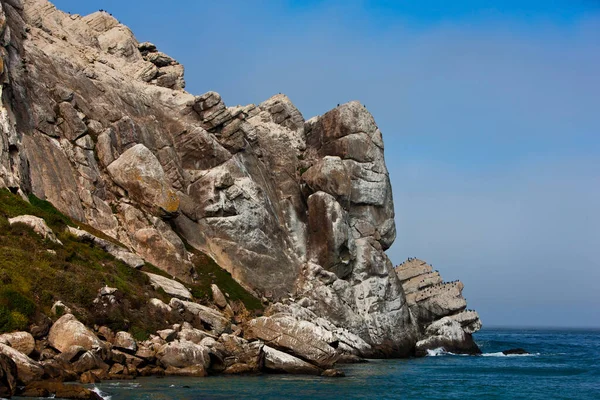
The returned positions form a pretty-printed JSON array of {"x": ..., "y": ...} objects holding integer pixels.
[{"x": 491, "y": 121}]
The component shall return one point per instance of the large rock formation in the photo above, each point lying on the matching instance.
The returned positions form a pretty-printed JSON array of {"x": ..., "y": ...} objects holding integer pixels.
[
  {"x": 439, "y": 309},
  {"x": 299, "y": 212}
]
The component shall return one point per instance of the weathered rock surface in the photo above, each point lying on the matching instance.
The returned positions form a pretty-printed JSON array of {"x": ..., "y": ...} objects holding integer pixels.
[
  {"x": 116, "y": 251},
  {"x": 59, "y": 390},
  {"x": 8, "y": 376},
  {"x": 299, "y": 212},
  {"x": 218, "y": 296},
  {"x": 448, "y": 334},
  {"x": 181, "y": 354},
  {"x": 125, "y": 341},
  {"x": 21, "y": 341},
  {"x": 67, "y": 331},
  {"x": 27, "y": 369},
  {"x": 439, "y": 308},
  {"x": 201, "y": 316},
  {"x": 139, "y": 172},
  {"x": 240, "y": 356},
  {"x": 170, "y": 286},
  {"x": 279, "y": 361},
  {"x": 37, "y": 224},
  {"x": 301, "y": 338}
]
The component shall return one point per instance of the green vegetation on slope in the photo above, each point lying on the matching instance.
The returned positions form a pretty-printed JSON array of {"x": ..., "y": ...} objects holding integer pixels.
[
  {"x": 209, "y": 272},
  {"x": 34, "y": 273}
]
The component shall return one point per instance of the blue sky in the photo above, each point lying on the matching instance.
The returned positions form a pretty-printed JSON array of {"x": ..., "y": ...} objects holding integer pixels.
[{"x": 490, "y": 112}]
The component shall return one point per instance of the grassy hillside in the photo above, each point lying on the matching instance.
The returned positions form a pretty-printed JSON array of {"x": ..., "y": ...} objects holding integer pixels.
[{"x": 34, "y": 273}]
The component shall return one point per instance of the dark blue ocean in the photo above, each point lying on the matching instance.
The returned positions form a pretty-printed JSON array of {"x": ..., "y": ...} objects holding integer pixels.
[{"x": 564, "y": 364}]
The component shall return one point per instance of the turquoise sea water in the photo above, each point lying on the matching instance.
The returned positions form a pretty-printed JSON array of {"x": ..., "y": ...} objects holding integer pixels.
[{"x": 565, "y": 364}]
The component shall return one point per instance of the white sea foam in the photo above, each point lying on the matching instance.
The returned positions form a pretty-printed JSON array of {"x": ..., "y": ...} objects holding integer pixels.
[
  {"x": 501, "y": 354},
  {"x": 440, "y": 351},
  {"x": 100, "y": 393}
]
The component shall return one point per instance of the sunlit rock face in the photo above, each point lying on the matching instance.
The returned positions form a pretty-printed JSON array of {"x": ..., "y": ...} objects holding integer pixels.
[
  {"x": 100, "y": 125},
  {"x": 439, "y": 309}
]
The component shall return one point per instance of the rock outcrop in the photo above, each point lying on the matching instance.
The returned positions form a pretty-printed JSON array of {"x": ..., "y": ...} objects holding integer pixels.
[
  {"x": 299, "y": 212},
  {"x": 439, "y": 308}
]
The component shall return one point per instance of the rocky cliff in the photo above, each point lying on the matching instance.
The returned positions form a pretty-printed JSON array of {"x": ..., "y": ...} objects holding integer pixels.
[
  {"x": 300, "y": 212},
  {"x": 439, "y": 309}
]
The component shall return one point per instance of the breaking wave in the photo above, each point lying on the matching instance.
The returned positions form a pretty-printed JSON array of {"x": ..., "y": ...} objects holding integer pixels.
[
  {"x": 501, "y": 354},
  {"x": 100, "y": 393},
  {"x": 440, "y": 351}
]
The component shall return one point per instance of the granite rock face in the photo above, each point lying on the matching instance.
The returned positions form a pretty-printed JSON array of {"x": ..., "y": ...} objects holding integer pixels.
[
  {"x": 299, "y": 212},
  {"x": 439, "y": 308}
]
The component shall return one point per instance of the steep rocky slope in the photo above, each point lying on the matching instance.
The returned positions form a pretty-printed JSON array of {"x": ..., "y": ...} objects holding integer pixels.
[{"x": 300, "y": 212}]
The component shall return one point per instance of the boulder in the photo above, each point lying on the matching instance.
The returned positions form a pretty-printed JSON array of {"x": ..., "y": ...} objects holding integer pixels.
[
  {"x": 333, "y": 373},
  {"x": 21, "y": 341},
  {"x": 241, "y": 356},
  {"x": 125, "y": 341},
  {"x": 37, "y": 224},
  {"x": 27, "y": 369},
  {"x": 71, "y": 355},
  {"x": 301, "y": 338},
  {"x": 181, "y": 354},
  {"x": 160, "y": 305},
  {"x": 131, "y": 361},
  {"x": 170, "y": 286},
  {"x": 119, "y": 252},
  {"x": 192, "y": 335},
  {"x": 139, "y": 172},
  {"x": 146, "y": 353},
  {"x": 278, "y": 361},
  {"x": 195, "y": 371},
  {"x": 106, "y": 334},
  {"x": 40, "y": 326},
  {"x": 168, "y": 335},
  {"x": 8, "y": 376},
  {"x": 58, "y": 390},
  {"x": 89, "y": 361},
  {"x": 218, "y": 296},
  {"x": 448, "y": 334},
  {"x": 67, "y": 331},
  {"x": 202, "y": 316}
]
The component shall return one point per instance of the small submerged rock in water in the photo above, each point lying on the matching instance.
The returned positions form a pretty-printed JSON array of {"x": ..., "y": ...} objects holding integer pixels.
[
  {"x": 515, "y": 351},
  {"x": 333, "y": 373}
]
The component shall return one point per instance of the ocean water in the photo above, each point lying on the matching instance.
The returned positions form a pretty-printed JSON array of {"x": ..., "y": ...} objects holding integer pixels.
[{"x": 564, "y": 364}]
